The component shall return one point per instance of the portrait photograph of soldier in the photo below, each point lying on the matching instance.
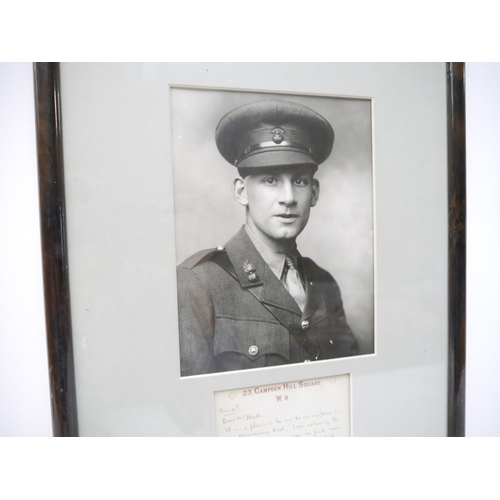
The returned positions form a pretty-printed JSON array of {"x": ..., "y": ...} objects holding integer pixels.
[{"x": 273, "y": 199}]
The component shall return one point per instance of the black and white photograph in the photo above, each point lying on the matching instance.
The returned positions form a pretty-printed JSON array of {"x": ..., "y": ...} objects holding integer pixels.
[{"x": 274, "y": 228}]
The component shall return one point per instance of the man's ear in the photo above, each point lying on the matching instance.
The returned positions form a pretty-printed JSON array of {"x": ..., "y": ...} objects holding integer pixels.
[
  {"x": 240, "y": 191},
  {"x": 315, "y": 192}
]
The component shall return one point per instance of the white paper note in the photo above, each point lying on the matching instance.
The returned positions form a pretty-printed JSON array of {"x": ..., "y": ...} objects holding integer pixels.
[{"x": 309, "y": 408}]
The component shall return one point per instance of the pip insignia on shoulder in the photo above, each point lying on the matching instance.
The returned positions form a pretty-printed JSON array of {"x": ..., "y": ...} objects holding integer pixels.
[
  {"x": 220, "y": 247},
  {"x": 249, "y": 269}
]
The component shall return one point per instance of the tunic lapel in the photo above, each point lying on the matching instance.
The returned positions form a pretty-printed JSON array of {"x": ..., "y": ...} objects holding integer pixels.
[{"x": 266, "y": 285}]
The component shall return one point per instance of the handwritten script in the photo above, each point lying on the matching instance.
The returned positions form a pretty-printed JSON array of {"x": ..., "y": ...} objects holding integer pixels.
[{"x": 319, "y": 407}]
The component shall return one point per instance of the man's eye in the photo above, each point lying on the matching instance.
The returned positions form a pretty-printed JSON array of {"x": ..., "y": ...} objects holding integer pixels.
[
  {"x": 270, "y": 181},
  {"x": 301, "y": 182}
]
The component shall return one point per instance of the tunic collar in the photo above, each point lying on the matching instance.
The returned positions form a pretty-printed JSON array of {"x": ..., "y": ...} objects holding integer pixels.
[
  {"x": 273, "y": 257},
  {"x": 242, "y": 251}
]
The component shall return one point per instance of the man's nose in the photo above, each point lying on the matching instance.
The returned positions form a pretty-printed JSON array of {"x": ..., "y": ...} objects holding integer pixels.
[{"x": 287, "y": 194}]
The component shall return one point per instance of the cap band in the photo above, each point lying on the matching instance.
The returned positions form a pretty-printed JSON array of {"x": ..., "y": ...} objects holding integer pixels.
[{"x": 271, "y": 145}]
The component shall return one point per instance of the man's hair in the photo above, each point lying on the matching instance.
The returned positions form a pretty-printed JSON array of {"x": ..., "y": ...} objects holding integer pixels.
[{"x": 243, "y": 172}]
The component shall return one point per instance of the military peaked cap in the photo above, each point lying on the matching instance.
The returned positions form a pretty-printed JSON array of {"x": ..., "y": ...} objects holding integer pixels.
[{"x": 274, "y": 133}]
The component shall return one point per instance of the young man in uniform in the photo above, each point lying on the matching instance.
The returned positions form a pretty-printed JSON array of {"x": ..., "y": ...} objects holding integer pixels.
[{"x": 256, "y": 302}]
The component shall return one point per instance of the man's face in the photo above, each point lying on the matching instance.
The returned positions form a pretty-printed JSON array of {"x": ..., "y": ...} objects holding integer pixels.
[{"x": 278, "y": 201}]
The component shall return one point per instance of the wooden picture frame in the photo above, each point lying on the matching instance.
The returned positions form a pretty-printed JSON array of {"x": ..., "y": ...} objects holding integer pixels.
[{"x": 55, "y": 249}]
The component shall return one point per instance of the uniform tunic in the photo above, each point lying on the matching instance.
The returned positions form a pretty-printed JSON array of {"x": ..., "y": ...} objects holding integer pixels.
[{"x": 230, "y": 320}]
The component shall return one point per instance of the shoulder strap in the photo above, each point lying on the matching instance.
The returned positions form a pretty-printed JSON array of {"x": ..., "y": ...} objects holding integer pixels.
[{"x": 312, "y": 349}]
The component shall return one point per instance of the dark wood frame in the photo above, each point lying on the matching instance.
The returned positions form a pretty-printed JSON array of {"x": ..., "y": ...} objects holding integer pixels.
[
  {"x": 54, "y": 250},
  {"x": 455, "y": 73},
  {"x": 55, "y": 256}
]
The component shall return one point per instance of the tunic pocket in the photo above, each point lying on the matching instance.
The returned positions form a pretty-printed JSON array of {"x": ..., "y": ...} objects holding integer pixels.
[{"x": 253, "y": 339}]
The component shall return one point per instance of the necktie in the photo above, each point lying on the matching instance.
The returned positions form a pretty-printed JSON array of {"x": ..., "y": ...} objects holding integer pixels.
[{"x": 293, "y": 283}]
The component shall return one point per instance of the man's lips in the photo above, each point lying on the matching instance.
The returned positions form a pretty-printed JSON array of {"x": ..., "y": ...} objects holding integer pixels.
[{"x": 289, "y": 217}]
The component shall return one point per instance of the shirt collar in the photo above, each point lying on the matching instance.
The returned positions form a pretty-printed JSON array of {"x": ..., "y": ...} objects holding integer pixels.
[{"x": 274, "y": 258}]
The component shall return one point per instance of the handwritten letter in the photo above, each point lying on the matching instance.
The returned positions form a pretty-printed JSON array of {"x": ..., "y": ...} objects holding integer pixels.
[{"x": 319, "y": 407}]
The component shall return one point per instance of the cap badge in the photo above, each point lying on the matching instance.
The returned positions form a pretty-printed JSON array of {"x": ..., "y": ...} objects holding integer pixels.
[
  {"x": 278, "y": 135},
  {"x": 249, "y": 269}
]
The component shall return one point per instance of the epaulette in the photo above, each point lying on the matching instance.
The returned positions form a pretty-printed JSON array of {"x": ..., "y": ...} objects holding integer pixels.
[{"x": 201, "y": 256}]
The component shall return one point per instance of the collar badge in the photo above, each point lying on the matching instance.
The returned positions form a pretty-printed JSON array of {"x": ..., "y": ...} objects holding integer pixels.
[{"x": 249, "y": 269}]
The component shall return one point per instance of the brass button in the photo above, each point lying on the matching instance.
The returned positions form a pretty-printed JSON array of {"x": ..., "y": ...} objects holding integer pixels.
[
  {"x": 220, "y": 247},
  {"x": 253, "y": 350},
  {"x": 305, "y": 325}
]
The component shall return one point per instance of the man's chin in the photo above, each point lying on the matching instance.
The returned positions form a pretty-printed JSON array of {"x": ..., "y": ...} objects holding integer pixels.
[{"x": 287, "y": 234}]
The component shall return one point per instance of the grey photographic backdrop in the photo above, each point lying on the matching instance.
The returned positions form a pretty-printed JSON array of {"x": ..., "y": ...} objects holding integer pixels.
[{"x": 339, "y": 236}]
